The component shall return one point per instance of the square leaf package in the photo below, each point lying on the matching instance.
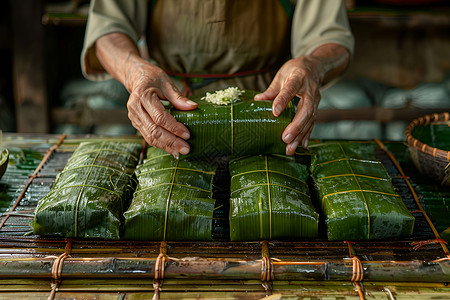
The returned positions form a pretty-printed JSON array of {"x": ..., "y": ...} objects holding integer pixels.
[{"x": 356, "y": 193}]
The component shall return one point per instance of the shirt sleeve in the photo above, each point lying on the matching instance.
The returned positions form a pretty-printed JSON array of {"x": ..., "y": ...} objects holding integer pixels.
[
  {"x": 109, "y": 16},
  {"x": 319, "y": 22}
]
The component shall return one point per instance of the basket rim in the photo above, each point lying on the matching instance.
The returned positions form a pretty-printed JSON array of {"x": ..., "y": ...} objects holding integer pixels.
[
  {"x": 422, "y": 147},
  {"x": 3, "y": 164}
]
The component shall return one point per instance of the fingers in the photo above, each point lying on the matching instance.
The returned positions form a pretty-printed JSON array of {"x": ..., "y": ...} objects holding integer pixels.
[
  {"x": 289, "y": 91},
  {"x": 147, "y": 114},
  {"x": 156, "y": 81},
  {"x": 281, "y": 96},
  {"x": 152, "y": 104},
  {"x": 269, "y": 94},
  {"x": 300, "y": 140},
  {"x": 178, "y": 100},
  {"x": 298, "y": 132},
  {"x": 158, "y": 127}
]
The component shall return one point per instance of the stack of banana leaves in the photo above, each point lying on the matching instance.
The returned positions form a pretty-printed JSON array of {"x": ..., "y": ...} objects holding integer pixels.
[
  {"x": 246, "y": 127},
  {"x": 356, "y": 193},
  {"x": 173, "y": 199},
  {"x": 270, "y": 199},
  {"x": 89, "y": 196},
  {"x": 434, "y": 135}
]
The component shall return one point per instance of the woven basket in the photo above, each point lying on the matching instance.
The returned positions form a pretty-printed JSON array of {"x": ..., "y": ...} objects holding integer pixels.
[{"x": 431, "y": 161}]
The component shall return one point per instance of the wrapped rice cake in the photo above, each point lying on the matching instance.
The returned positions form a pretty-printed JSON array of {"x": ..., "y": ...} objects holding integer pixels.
[
  {"x": 173, "y": 199},
  {"x": 270, "y": 199},
  {"x": 89, "y": 196},
  {"x": 241, "y": 127},
  {"x": 356, "y": 194}
]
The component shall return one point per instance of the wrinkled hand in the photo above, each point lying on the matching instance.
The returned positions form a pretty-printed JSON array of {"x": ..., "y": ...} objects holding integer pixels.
[
  {"x": 297, "y": 77},
  {"x": 148, "y": 85}
]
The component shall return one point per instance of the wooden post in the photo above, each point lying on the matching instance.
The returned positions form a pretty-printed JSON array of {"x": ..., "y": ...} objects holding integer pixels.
[{"x": 32, "y": 112}]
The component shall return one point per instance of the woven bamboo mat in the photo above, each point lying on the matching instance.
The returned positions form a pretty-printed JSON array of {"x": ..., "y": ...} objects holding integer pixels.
[{"x": 387, "y": 269}]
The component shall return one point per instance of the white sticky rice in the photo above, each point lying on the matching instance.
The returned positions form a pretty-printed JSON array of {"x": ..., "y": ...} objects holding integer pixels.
[{"x": 224, "y": 97}]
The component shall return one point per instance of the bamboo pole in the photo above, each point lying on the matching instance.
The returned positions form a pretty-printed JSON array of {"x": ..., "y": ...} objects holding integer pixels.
[
  {"x": 243, "y": 285},
  {"x": 185, "y": 289},
  {"x": 226, "y": 269}
]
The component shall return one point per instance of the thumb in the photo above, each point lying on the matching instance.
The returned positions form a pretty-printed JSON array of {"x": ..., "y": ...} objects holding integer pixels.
[
  {"x": 179, "y": 101},
  {"x": 269, "y": 94}
]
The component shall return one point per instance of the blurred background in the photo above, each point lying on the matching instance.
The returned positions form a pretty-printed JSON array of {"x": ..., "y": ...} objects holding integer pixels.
[{"x": 400, "y": 70}]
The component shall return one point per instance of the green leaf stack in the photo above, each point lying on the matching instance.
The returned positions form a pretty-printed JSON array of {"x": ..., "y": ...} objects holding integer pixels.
[
  {"x": 89, "y": 195},
  {"x": 356, "y": 193},
  {"x": 4, "y": 157},
  {"x": 246, "y": 127},
  {"x": 270, "y": 199},
  {"x": 173, "y": 199}
]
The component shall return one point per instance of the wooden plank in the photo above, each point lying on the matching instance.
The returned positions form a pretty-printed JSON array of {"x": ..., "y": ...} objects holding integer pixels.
[
  {"x": 378, "y": 114},
  {"x": 400, "y": 18},
  {"x": 90, "y": 116},
  {"x": 28, "y": 67},
  {"x": 64, "y": 19}
]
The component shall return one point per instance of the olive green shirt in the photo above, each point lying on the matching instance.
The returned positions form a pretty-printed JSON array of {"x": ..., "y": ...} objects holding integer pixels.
[{"x": 218, "y": 36}]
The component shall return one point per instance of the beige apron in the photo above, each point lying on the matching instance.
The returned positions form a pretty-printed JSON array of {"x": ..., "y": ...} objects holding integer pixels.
[{"x": 214, "y": 44}]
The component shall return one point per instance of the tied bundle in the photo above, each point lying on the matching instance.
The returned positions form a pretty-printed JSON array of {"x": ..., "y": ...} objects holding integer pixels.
[
  {"x": 356, "y": 193},
  {"x": 270, "y": 199},
  {"x": 173, "y": 199},
  {"x": 244, "y": 127},
  {"x": 89, "y": 196}
]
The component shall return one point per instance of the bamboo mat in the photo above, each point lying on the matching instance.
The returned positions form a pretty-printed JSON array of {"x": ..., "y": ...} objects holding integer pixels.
[{"x": 219, "y": 269}]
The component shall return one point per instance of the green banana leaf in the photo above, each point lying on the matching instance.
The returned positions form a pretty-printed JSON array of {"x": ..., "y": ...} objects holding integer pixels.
[
  {"x": 90, "y": 194},
  {"x": 434, "y": 135},
  {"x": 356, "y": 193},
  {"x": 4, "y": 157},
  {"x": 246, "y": 127},
  {"x": 173, "y": 199},
  {"x": 270, "y": 199}
]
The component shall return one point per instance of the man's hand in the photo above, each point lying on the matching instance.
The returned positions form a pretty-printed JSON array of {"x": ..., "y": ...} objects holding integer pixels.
[
  {"x": 303, "y": 76},
  {"x": 297, "y": 77},
  {"x": 147, "y": 85}
]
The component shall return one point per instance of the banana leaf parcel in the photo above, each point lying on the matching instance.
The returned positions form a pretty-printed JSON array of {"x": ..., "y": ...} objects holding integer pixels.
[
  {"x": 270, "y": 199},
  {"x": 90, "y": 194},
  {"x": 246, "y": 127},
  {"x": 356, "y": 193},
  {"x": 173, "y": 199}
]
